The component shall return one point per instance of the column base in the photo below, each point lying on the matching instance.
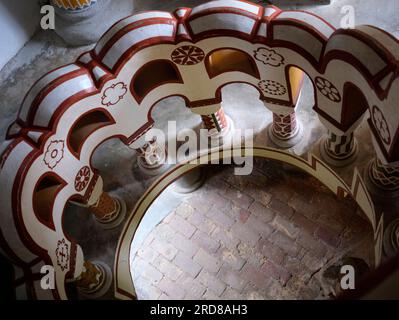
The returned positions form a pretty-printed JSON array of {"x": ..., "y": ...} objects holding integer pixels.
[
  {"x": 118, "y": 219},
  {"x": 102, "y": 287},
  {"x": 391, "y": 239},
  {"x": 153, "y": 171},
  {"x": 374, "y": 188},
  {"x": 190, "y": 182},
  {"x": 288, "y": 142},
  {"x": 334, "y": 160}
]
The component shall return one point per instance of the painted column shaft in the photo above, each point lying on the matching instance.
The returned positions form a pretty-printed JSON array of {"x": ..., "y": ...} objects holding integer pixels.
[
  {"x": 340, "y": 147},
  {"x": 284, "y": 126},
  {"x": 383, "y": 176},
  {"x": 215, "y": 122},
  {"x": 95, "y": 279},
  {"x": 151, "y": 155},
  {"x": 106, "y": 208}
]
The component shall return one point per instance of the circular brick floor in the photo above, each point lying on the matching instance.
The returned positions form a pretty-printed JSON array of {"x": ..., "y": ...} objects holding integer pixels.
[{"x": 263, "y": 236}]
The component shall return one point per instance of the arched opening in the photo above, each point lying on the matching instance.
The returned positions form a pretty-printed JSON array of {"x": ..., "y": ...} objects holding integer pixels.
[
  {"x": 296, "y": 78},
  {"x": 43, "y": 197},
  {"x": 274, "y": 215},
  {"x": 354, "y": 105},
  {"x": 152, "y": 75},
  {"x": 229, "y": 60},
  {"x": 85, "y": 126}
]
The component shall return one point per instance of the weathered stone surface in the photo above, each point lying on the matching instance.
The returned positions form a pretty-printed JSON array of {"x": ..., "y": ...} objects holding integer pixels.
[
  {"x": 187, "y": 264},
  {"x": 207, "y": 261}
]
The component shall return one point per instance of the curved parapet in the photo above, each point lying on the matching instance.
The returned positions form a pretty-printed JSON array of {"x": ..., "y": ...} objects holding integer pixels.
[{"x": 192, "y": 53}]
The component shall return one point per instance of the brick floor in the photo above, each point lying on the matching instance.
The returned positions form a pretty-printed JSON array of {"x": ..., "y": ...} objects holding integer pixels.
[{"x": 263, "y": 236}]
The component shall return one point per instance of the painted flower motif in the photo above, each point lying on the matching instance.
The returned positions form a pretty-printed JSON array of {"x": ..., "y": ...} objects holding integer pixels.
[
  {"x": 113, "y": 94},
  {"x": 54, "y": 153},
  {"x": 381, "y": 125},
  {"x": 187, "y": 55},
  {"x": 62, "y": 254},
  {"x": 82, "y": 179},
  {"x": 269, "y": 57},
  {"x": 327, "y": 89},
  {"x": 272, "y": 87}
]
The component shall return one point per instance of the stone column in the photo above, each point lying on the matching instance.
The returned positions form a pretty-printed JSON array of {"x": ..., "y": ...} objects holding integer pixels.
[
  {"x": 151, "y": 156},
  {"x": 391, "y": 238},
  {"x": 108, "y": 211},
  {"x": 95, "y": 280},
  {"x": 339, "y": 150},
  {"x": 191, "y": 181},
  {"x": 285, "y": 131},
  {"x": 382, "y": 180},
  {"x": 83, "y": 22},
  {"x": 219, "y": 126}
]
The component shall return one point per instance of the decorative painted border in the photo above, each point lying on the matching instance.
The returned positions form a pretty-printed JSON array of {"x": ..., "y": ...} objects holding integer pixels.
[{"x": 124, "y": 288}]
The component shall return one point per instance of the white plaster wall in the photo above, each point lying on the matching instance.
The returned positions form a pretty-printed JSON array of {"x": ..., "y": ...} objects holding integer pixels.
[{"x": 19, "y": 19}]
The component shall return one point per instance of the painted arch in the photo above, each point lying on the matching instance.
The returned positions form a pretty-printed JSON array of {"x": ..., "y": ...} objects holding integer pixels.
[{"x": 38, "y": 142}]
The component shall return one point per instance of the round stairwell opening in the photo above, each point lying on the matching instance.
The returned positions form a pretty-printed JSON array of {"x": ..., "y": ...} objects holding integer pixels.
[{"x": 277, "y": 233}]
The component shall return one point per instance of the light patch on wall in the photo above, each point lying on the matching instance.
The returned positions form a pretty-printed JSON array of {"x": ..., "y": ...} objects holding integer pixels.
[{"x": 18, "y": 22}]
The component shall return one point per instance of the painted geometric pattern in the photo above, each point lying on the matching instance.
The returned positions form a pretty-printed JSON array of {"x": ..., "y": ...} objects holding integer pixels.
[
  {"x": 73, "y": 4},
  {"x": 62, "y": 254},
  {"x": 385, "y": 176},
  {"x": 54, "y": 153},
  {"x": 215, "y": 121},
  {"x": 284, "y": 126},
  {"x": 327, "y": 89},
  {"x": 152, "y": 155},
  {"x": 272, "y": 87},
  {"x": 187, "y": 55},
  {"x": 82, "y": 179},
  {"x": 381, "y": 125},
  {"x": 106, "y": 208},
  {"x": 113, "y": 94},
  {"x": 269, "y": 57},
  {"x": 91, "y": 278},
  {"x": 340, "y": 146}
]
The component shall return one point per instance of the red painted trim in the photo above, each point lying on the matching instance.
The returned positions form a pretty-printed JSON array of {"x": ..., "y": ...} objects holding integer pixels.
[
  {"x": 49, "y": 88},
  {"x": 131, "y": 27}
]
